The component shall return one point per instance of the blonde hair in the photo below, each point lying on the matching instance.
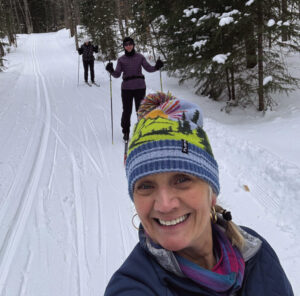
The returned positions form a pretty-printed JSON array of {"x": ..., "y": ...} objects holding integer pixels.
[{"x": 231, "y": 230}]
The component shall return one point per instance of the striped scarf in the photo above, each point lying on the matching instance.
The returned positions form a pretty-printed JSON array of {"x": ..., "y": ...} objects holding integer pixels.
[{"x": 226, "y": 277}]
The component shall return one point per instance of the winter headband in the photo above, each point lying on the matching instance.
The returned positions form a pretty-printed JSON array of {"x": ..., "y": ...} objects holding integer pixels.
[{"x": 169, "y": 137}]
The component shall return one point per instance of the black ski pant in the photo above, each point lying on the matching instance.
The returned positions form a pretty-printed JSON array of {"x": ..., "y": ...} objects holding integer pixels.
[
  {"x": 127, "y": 99},
  {"x": 86, "y": 65}
]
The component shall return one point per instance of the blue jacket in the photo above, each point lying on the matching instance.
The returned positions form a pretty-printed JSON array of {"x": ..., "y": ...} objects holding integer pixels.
[{"x": 142, "y": 275}]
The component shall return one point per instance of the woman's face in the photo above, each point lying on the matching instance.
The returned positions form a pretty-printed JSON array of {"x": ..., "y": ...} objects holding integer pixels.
[
  {"x": 128, "y": 46},
  {"x": 174, "y": 209}
]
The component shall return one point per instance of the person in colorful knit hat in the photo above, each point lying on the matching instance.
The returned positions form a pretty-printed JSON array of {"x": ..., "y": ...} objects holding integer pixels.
[
  {"x": 188, "y": 244},
  {"x": 133, "y": 85}
]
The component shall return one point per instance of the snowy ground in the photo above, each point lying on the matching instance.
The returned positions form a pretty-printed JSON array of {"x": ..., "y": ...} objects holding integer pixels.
[{"x": 65, "y": 217}]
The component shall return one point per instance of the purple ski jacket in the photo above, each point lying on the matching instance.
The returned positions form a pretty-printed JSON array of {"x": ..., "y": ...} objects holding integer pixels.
[{"x": 131, "y": 66}]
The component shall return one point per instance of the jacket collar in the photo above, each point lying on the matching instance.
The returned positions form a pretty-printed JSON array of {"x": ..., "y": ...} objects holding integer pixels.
[
  {"x": 167, "y": 260},
  {"x": 129, "y": 54}
]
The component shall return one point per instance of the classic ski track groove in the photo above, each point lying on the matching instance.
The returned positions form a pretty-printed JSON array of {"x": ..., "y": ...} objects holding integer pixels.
[
  {"x": 96, "y": 138},
  {"x": 83, "y": 269},
  {"x": 25, "y": 275},
  {"x": 29, "y": 192},
  {"x": 83, "y": 146}
]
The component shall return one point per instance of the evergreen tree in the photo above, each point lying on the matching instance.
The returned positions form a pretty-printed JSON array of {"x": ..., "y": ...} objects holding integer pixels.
[
  {"x": 98, "y": 18},
  {"x": 218, "y": 44}
]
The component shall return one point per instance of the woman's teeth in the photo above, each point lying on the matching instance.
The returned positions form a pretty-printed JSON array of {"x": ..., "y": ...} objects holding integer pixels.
[{"x": 173, "y": 222}]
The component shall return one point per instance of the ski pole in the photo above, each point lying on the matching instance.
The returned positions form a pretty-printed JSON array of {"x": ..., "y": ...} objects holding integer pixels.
[
  {"x": 78, "y": 71},
  {"x": 111, "y": 110},
  {"x": 161, "y": 87}
]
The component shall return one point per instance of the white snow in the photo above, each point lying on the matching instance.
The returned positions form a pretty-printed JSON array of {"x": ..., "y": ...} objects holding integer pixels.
[
  {"x": 199, "y": 44},
  {"x": 248, "y": 3},
  {"x": 65, "y": 215},
  {"x": 220, "y": 58},
  {"x": 271, "y": 23},
  {"x": 189, "y": 11},
  {"x": 226, "y": 17},
  {"x": 161, "y": 19},
  {"x": 225, "y": 21},
  {"x": 267, "y": 80}
]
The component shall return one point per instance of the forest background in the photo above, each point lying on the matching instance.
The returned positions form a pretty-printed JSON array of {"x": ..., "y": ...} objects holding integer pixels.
[{"x": 234, "y": 51}]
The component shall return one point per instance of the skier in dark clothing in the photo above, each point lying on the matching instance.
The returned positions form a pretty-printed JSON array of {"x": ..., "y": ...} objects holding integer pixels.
[
  {"x": 87, "y": 49},
  {"x": 133, "y": 85}
]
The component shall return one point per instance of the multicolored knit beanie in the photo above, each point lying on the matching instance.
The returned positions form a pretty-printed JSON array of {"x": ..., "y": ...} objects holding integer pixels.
[{"x": 169, "y": 137}]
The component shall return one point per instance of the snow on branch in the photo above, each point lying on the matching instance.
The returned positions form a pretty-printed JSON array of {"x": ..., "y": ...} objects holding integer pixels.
[
  {"x": 271, "y": 23},
  {"x": 248, "y": 3},
  {"x": 199, "y": 44},
  {"x": 226, "y": 18},
  {"x": 267, "y": 80},
  {"x": 220, "y": 58},
  {"x": 189, "y": 11},
  {"x": 225, "y": 21}
]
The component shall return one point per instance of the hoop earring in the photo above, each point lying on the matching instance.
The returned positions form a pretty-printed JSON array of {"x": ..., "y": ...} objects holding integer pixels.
[
  {"x": 213, "y": 215},
  {"x": 132, "y": 222}
]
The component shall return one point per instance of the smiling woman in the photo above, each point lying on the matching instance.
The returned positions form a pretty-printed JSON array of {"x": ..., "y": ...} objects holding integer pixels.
[
  {"x": 175, "y": 212},
  {"x": 188, "y": 244}
]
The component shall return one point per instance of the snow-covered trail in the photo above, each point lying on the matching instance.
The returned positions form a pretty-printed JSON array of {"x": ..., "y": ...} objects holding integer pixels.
[
  {"x": 62, "y": 213},
  {"x": 65, "y": 216}
]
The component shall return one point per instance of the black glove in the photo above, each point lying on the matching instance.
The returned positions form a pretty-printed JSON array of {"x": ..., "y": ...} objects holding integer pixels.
[
  {"x": 159, "y": 64},
  {"x": 109, "y": 67}
]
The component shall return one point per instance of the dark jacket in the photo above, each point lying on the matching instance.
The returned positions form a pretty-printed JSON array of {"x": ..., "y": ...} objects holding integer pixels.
[
  {"x": 131, "y": 66},
  {"x": 142, "y": 275},
  {"x": 87, "y": 51}
]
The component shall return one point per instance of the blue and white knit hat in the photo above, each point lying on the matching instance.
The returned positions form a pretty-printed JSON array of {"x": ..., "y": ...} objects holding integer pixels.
[{"x": 169, "y": 138}]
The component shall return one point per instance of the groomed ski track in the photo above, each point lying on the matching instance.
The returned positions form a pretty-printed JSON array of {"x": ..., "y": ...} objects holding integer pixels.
[{"x": 65, "y": 216}]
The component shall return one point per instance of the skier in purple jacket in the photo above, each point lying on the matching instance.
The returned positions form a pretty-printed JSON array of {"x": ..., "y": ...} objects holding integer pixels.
[{"x": 133, "y": 85}]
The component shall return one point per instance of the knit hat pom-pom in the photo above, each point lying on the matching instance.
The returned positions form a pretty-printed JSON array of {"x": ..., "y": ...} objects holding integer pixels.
[{"x": 152, "y": 101}]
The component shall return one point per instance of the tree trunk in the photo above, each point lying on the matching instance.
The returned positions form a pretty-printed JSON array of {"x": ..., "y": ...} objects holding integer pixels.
[
  {"x": 9, "y": 23},
  {"x": 157, "y": 42},
  {"x": 260, "y": 24},
  {"x": 1, "y": 54},
  {"x": 16, "y": 17},
  {"x": 233, "y": 86},
  {"x": 74, "y": 20},
  {"x": 22, "y": 28},
  {"x": 228, "y": 84},
  {"x": 284, "y": 33},
  {"x": 152, "y": 45},
  {"x": 28, "y": 20},
  {"x": 251, "y": 58},
  {"x": 126, "y": 26},
  {"x": 67, "y": 14},
  {"x": 120, "y": 20}
]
